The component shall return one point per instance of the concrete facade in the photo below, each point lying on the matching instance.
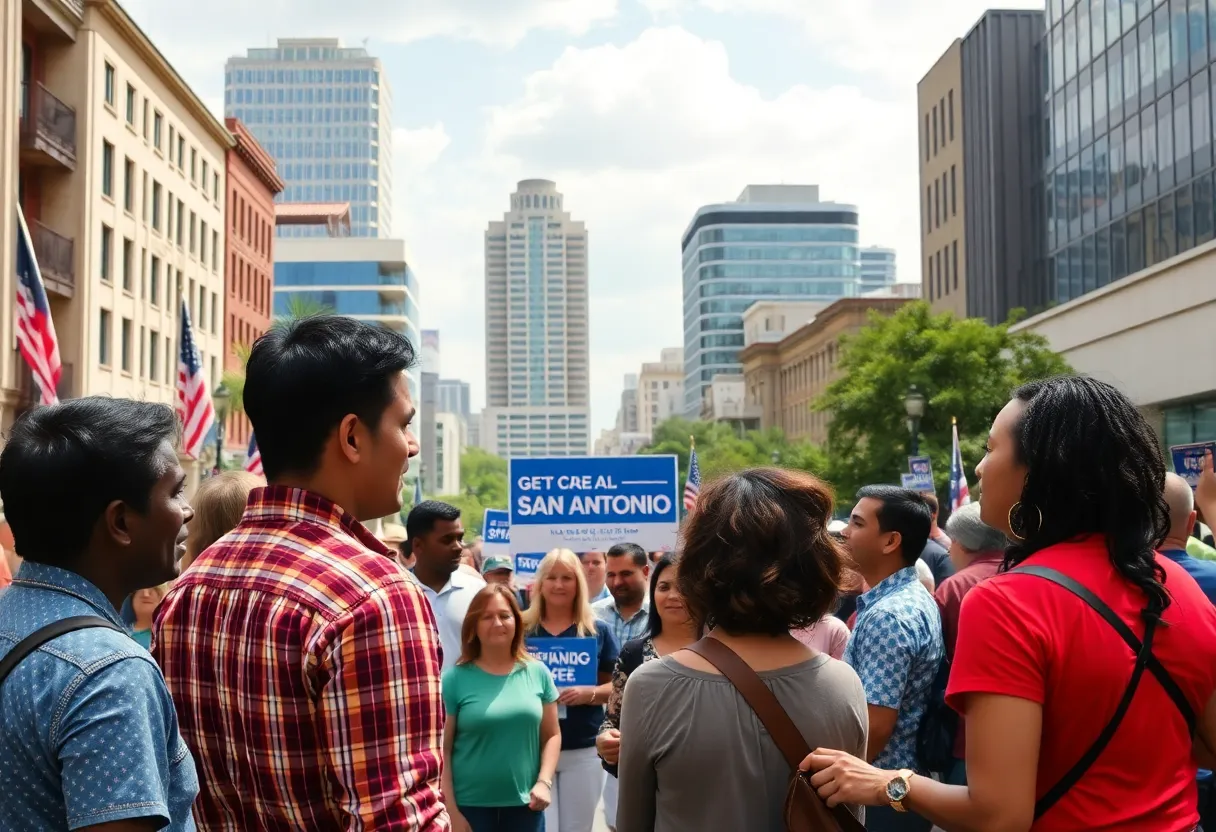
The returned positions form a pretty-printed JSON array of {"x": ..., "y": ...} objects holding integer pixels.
[
  {"x": 660, "y": 390},
  {"x": 450, "y": 441},
  {"x": 12, "y": 368},
  {"x": 943, "y": 180}
]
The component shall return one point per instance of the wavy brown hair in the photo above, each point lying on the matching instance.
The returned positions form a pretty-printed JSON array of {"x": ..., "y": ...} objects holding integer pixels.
[
  {"x": 470, "y": 643},
  {"x": 756, "y": 556}
]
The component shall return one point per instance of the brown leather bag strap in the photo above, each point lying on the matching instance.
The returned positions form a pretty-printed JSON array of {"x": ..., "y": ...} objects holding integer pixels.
[{"x": 768, "y": 710}]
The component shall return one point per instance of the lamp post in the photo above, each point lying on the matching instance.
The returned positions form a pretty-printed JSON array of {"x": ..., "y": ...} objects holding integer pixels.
[
  {"x": 219, "y": 400},
  {"x": 914, "y": 406}
]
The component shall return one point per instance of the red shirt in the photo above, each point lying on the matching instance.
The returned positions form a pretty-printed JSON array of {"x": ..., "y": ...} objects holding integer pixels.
[
  {"x": 304, "y": 663},
  {"x": 1022, "y": 636}
]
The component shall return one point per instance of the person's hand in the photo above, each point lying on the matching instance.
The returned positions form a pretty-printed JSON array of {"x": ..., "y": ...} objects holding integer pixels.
[
  {"x": 842, "y": 778},
  {"x": 576, "y": 696},
  {"x": 540, "y": 798},
  {"x": 1205, "y": 491},
  {"x": 459, "y": 824},
  {"x": 608, "y": 744}
]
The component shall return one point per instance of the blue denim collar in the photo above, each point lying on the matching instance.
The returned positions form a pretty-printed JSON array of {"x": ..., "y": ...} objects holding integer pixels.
[{"x": 52, "y": 578}]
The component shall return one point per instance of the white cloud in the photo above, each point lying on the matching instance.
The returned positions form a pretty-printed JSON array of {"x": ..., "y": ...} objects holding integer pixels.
[{"x": 639, "y": 136}]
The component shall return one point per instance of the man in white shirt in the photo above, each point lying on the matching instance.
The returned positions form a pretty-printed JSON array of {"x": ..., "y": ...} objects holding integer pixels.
[{"x": 434, "y": 534}]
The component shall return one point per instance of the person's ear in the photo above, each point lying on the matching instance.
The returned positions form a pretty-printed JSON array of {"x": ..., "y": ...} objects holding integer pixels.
[
  {"x": 117, "y": 520},
  {"x": 352, "y": 438}
]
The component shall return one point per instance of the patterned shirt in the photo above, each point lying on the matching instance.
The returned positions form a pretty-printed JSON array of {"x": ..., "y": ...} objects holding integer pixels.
[
  {"x": 896, "y": 648},
  {"x": 624, "y": 629},
  {"x": 88, "y": 733},
  {"x": 305, "y": 665}
]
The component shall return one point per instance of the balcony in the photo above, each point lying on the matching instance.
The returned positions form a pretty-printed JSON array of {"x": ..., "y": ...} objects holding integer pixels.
[
  {"x": 48, "y": 129},
  {"x": 56, "y": 259},
  {"x": 28, "y": 394}
]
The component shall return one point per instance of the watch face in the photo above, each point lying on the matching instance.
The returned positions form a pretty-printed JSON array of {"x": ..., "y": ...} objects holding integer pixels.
[{"x": 897, "y": 789}]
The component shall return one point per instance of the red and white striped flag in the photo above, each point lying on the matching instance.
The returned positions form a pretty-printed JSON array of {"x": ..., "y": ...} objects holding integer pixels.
[
  {"x": 960, "y": 494},
  {"x": 253, "y": 458},
  {"x": 35, "y": 330},
  {"x": 194, "y": 405}
]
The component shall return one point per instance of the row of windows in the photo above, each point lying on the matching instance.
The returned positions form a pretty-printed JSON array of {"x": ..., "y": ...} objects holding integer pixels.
[
  {"x": 249, "y": 284},
  {"x": 772, "y": 234},
  {"x": 362, "y": 273},
  {"x": 249, "y": 225},
  {"x": 781, "y": 252},
  {"x": 256, "y": 116},
  {"x": 300, "y": 76},
  {"x": 936, "y": 123},
  {"x": 942, "y": 271},
  {"x": 781, "y": 289},
  {"x": 303, "y": 95},
  {"x": 941, "y": 200},
  {"x": 150, "y": 275},
  {"x": 351, "y": 302},
  {"x": 327, "y": 149},
  {"x": 155, "y": 365}
]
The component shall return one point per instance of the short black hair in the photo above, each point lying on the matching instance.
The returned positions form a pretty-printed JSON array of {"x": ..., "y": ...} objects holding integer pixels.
[
  {"x": 905, "y": 511},
  {"x": 304, "y": 377},
  {"x": 423, "y": 517},
  {"x": 65, "y": 463},
  {"x": 633, "y": 550}
]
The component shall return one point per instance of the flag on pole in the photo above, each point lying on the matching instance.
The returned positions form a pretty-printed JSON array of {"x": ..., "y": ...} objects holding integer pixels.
[
  {"x": 35, "y": 330},
  {"x": 417, "y": 490},
  {"x": 960, "y": 495},
  {"x": 194, "y": 405},
  {"x": 253, "y": 459},
  {"x": 692, "y": 486}
]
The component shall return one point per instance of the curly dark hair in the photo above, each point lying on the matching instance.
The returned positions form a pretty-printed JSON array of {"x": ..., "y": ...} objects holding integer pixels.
[
  {"x": 756, "y": 556},
  {"x": 1093, "y": 467}
]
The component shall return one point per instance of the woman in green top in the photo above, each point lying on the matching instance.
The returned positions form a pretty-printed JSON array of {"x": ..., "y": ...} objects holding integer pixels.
[
  {"x": 501, "y": 741},
  {"x": 143, "y": 605}
]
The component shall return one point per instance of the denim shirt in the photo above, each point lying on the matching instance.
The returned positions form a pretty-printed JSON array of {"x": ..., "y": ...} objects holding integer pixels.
[
  {"x": 88, "y": 733},
  {"x": 896, "y": 648}
]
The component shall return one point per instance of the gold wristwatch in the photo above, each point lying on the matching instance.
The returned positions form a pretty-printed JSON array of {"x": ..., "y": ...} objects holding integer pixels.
[{"x": 899, "y": 788}]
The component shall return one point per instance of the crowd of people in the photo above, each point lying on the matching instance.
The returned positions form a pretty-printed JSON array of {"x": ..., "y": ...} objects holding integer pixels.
[{"x": 256, "y": 659}]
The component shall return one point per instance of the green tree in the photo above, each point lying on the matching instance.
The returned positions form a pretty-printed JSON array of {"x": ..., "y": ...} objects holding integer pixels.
[
  {"x": 965, "y": 368},
  {"x": 483, "y": 477},
  {"x": 721, "y": 449}
]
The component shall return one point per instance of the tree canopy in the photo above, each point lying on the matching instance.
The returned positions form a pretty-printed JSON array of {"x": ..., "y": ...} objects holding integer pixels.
[
  {"x": 965, "y": 368},
  {"x": 722, "y": 448},
  {"x": 483, "y": 477}
]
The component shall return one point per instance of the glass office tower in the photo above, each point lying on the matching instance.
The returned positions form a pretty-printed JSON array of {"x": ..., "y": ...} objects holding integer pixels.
[{"x": 1129, "y": 163}]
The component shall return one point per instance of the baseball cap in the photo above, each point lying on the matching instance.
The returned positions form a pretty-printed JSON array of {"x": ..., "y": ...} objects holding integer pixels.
[{"x": 497, "y": 562}]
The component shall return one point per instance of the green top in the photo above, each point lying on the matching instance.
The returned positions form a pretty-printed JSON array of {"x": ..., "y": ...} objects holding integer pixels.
[
  {"x": 1196, "y": 548},
  {"x": 496, "y": 751},
  {"x": 143, "y": 638}
]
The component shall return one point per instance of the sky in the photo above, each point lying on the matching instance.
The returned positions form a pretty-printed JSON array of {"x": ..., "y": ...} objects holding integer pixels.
[{"x": 641, "y": 111}]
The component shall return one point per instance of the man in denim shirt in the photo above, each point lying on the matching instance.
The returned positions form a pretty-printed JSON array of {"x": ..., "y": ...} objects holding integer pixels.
[
  {"x": 95, "y": 496},
  {"x": 896, "y": 645}
]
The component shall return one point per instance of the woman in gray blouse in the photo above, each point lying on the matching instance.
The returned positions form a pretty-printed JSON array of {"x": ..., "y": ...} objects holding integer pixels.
[{"x": 756, "y": 562}]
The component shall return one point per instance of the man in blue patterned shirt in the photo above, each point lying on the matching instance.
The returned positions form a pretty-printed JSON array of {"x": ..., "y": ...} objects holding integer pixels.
[{"x": 896, "y": 645}]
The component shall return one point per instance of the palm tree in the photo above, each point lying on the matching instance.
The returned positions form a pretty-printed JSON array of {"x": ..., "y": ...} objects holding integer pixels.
[{"x": 297, "y": 307}]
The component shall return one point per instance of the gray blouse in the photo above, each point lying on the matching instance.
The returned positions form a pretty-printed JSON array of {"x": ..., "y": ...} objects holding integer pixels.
[{"x": 695, "y": 756}]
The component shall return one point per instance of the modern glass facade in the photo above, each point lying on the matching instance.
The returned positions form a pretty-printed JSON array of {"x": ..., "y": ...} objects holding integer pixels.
[
  {"x": 325, "y": 113},
  {"x": 1129, "y": 159},
  {"x": 877, "y": 268},
  {"x": 733, "y": 258}
]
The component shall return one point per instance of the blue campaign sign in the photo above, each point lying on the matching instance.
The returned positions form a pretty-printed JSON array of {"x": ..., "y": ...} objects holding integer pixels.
[
  {"x": 1188, "y": 460},
  {"x": 496, "y": 532},
  {"x": 572, "y": 661},
  {"x": 921, "y": 476},
  {"x": 920, "y": 465},
  {"x": 525, "y": 568},
  {"x": 590, "y": 503}
]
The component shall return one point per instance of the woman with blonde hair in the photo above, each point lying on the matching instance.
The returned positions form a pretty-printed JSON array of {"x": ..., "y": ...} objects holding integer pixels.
[
  {"x": 218, "y": 504},
  {"x": 501, "y": 739},
  {"x": 561, "y": 609}
]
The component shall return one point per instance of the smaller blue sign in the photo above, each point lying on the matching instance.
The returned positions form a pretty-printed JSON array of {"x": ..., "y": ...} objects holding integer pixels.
[
  {"x": 1188, "y": 460},
  {"x": 572, "y": 661},
  {"x": 921, "y": 465},
  {"x": 525, "y": 568},
  {"x": 496, "y": 532}
]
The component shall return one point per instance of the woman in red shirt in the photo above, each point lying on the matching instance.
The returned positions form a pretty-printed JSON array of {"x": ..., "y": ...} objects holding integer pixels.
[{"x": 1074, "y": 477}]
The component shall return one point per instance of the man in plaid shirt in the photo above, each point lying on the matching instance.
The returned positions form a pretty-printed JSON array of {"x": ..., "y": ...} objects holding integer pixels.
[{"x": 304, "y": 661}]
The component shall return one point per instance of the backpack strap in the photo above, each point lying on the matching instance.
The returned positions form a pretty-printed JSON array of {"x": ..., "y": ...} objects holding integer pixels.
[
  {"x": 50, "y": 632},
  {"x": 768, "y": 710},
  {"x": 1143, "y": 650}
]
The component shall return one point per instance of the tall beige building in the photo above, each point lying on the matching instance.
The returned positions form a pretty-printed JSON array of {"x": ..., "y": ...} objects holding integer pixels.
[
  {"x": 942, "y": 231},
  {"x": 660, "y": 390},
  {"x": 122, "y": 184},
  {"x": 537, "y": 374},
  {"x": 10, "y": 72}
]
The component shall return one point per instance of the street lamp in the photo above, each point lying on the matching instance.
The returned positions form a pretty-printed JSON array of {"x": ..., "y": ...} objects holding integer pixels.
[
  {"x": 914, "y": 406},
  {"x": 219, "y": 400}
]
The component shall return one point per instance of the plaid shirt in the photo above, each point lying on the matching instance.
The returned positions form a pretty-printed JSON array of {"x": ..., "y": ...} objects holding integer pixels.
[{"x": 304, "y": 663}]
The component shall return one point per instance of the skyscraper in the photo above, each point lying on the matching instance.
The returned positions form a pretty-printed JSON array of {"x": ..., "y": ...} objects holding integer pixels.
[
  {"x": 877, "y": 268},
  {"x": 775, "y": 242},
  {"x": 454, "y": 397},
  {"x": 324, "y": 112},
  {"x": 537, "y": 381}
]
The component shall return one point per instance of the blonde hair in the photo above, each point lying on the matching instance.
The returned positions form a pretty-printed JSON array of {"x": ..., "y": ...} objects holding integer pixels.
[
  {"x": 218, "y": 505},
  {"x": 584, "y": 616}
]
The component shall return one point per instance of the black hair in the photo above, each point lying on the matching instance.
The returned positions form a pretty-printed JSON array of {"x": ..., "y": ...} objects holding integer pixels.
[
  {"x": 1093, "y": 467},
  {"x": 633, "y": 550},
  {"x": 423, "y": 517},
  {"x": 64, "y": 464},
  {"x": 304, "y": 377},
  {"x": 905, "y": 511},
  {"x": 654, "y": 622}
]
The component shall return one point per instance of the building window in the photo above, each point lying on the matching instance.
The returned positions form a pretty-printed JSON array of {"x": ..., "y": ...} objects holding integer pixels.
[
  {"x": 193, "y": 232},
  {"x": 107, "y": 253},
  {"x": 154, "y": 282},
  {"x": 153, "y": 357},
  {"x": 181, "y": 151},
  {"x": 130, "y": 105},
  {"x": 954, "y": 263},
  {"x": 193, "y": 166},
  {"x": 937, "y": 204},
  {"x": 941, "y": 112},
  {"x": 147, "y": 124},
  {"x": 128, "y": 263},
  {"x": 172, "y": 142},
  {"x": 215, "y": 186},
  {"x": 109, "y": 90},
  {"x": 215, "y": 251},
  {"x": 950, "y": 106},
  {"x": 935, "y": 131},
  {"x": 181, "y": 223},
  {"x": 107, "y": 169},
  {"x": 168, "y": 357},
  {"x": 926, "y": 137},
  {"x": 946, "y": 270},
  {"x": 202, "y": 243},
  {"x": 953, "y": 192},
  {"x": 215, "y": 302},
  {"x": 156, "y": 191},
  {"x": 203, "y": 179},
  {"x": 128, "y": 186},
  {"x": 928, "y": 209},
  {"x": 125, "y": 346},
  {"x": 157, "y": 123},
  {"x": 103, "y": 338},
  {"x": 939, "y": 274},
  {"x": 929, "y": 273}
]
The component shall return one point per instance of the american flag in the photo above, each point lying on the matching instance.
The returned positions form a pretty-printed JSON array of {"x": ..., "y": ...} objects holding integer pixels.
[
  {"x": 35, "y": 330},
  {"x": 960, "y": 495},
  {"x": 194, "y": 406},
  {"x": 253, "y": 459},
  {"x": 692, "y": 487}
]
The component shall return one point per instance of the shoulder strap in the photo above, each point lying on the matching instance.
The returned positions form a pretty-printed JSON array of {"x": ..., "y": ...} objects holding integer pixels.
[
  {"x": 50, "y": 632},
  {"x": 776, "y": 721},
  {"x": 1144, "y": 659}
]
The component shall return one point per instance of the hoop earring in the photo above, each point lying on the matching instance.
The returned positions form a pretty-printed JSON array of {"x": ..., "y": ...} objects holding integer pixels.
[{"x": 1017, "y": 507}]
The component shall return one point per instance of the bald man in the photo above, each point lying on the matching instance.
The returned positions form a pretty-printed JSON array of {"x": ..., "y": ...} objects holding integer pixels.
[{"x": 1181, "y": 502}]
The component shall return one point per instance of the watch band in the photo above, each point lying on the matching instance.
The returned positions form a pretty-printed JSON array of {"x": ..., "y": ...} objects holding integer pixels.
[{"x": 905, "y": 775}]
